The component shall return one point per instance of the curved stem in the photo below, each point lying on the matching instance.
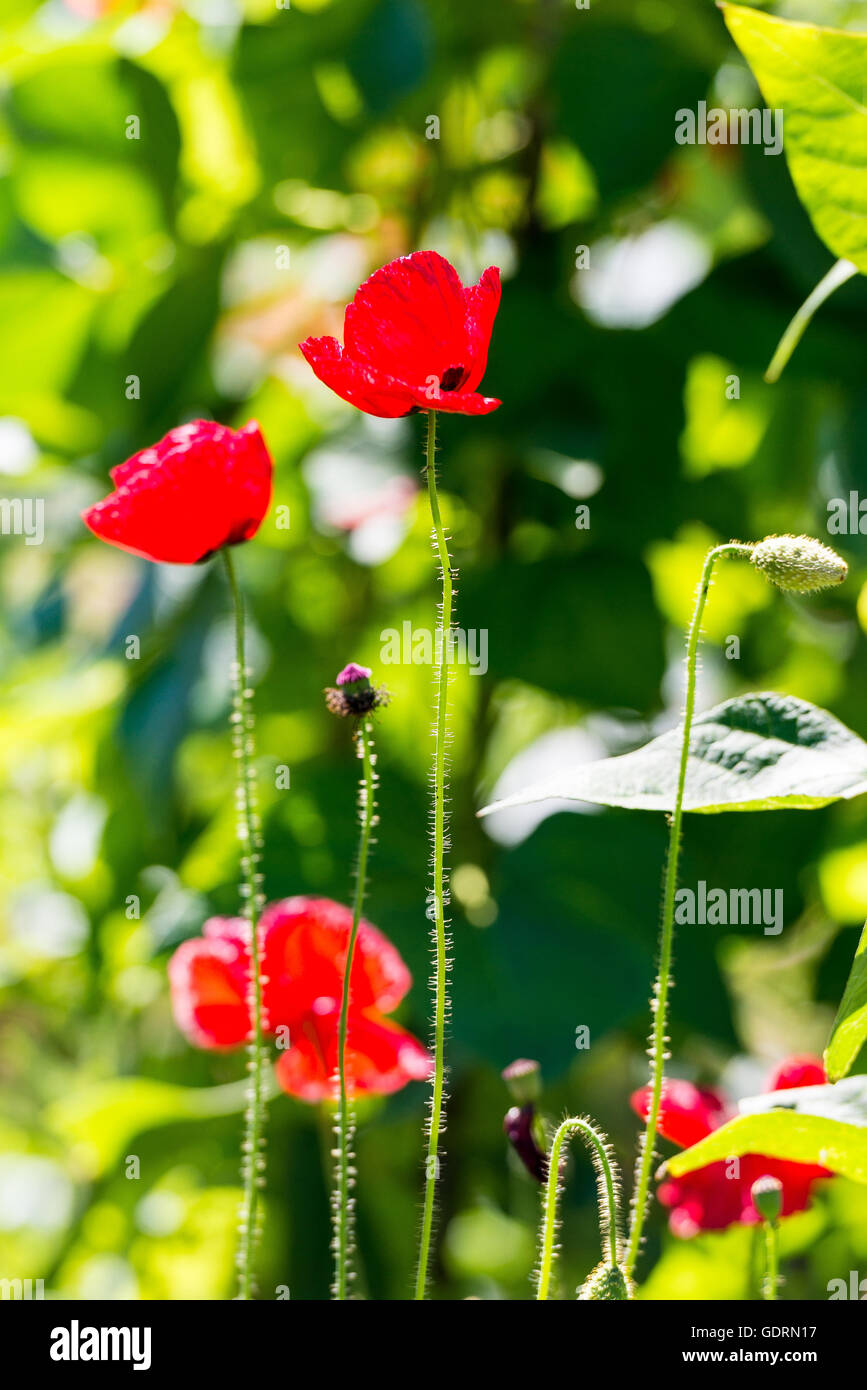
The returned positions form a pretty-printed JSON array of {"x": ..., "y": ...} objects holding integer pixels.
[
  {"x": 253, "y": 1162},
  {"x": 771, "y": 1280},
  {"x": 438, "y": 893},
  {"x": 663, "y": 985},
  {"x": 342, "y": 1218},
  {"x": 840, "y": 272},
  {"x": 609, "y": 1218}
]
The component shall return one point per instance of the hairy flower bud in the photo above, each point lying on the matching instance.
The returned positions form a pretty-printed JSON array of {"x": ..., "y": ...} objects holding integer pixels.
[
  {"x": 606, "y": 1282},
  {"x": 798, "y": 564},
  {"x": 523, "y": 1078},
  {"x": 767, "y": 1197},
  {"x": 353, "y": 696},
  {"x": 520, "y": 1127}
]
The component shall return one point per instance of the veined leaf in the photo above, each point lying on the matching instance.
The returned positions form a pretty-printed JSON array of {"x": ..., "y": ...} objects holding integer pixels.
[
  {"x": 816, "y": 77},
  {"x": 759, "y": 752},
  {"x": 811, "y": 1124},
  {"x": 850, "y": 1026}
]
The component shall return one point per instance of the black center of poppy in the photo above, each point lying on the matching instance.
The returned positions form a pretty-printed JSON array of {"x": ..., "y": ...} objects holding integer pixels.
[{"x": 452, "y": 378}]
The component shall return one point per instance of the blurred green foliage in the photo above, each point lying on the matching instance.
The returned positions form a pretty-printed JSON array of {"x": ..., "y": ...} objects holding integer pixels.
[{"x": 163, "y": 268}]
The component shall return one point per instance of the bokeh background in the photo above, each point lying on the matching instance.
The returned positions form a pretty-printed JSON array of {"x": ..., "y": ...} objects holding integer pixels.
[{"x": 282, "y": 154}]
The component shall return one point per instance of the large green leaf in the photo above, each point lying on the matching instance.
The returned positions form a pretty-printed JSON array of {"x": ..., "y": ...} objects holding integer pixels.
[
  {"x": 812, "y": 1124},
  {"x": 850, "y": 1025},
  {"x": 99, "y": 1121},
  {"x": 816, "y": 77},
  {"x": 758, "y": 752}
]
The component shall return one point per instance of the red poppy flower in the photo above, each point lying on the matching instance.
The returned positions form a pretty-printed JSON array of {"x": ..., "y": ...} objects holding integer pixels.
[
  {"x": 414, "y": 338},
  {"x": 303, "y": 943},
  {"x": 710, "y": 1199},
  {"x": 201, "y": 487}
]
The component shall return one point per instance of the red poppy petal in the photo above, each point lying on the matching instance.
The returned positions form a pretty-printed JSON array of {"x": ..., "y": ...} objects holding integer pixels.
[
  {"x": 801, "y": 1070},
  {"x": 181, "y": 438},
  {"x": 482, "y": 302},
  {"x": 301, "y": 1072},
  {"x": 454, "y": 402},
  {"x": 705, "y": 1200},
  {"x": 305, "y": 944},
  {"x": 200, "y": 488},
  {"x": 380, "y": 1058},
  {"x": 365, "y": 387},
  {"x": 797, "y": 1181},
  {"x": 409, "y": 319},
  {"x": 686, "y": 1113},
  {"x": 208, "y": 977}
]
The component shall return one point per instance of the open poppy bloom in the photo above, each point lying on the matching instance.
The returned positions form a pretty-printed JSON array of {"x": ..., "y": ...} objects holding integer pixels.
[
  {"x": 414, "y": 338},
  {"x": 303, "y": 943},
  {"x": 201, "y": 487},
  {"x": 710, "y": 1199}
]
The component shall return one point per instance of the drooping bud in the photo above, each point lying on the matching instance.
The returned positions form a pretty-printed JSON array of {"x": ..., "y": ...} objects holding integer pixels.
[
  {"x": 353, "y": 696},
  {"x": 519, "y": 1127},
  {"x": 523, "y": 1078},
  {"x": 767, "y": 1197},
  {"x": 798, "y": 564},
  {"x": 606, "y": 1282}
]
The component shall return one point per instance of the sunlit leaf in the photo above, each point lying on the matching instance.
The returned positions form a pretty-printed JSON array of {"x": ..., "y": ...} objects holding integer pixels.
[
  {"x": 850, "y": 1025},
  {"x": 812, "y": 1124},
  {"x": 98, "y": 1121},
  {"x": 816, "y": 76},
  {"x": 758, "y": 752}
]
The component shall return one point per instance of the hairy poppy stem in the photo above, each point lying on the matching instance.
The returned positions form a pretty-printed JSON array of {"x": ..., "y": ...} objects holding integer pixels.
[
  {"x": 343, "y": 1218},
  {"x": 253, "y": 1160},
  {"x": 662, "y": 988},
  {"x": 437, "y": 896},
  {"x": 771, "y": 1279},
  {"x": 608, "y": 1182}
]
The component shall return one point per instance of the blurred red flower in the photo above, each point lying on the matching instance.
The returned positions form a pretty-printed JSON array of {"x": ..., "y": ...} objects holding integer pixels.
[
  {"x": 709, "y": 1199},
  {"x": 303, "y": 944},
  {"x": 201, "y": 487},
  {"x": 415, "y": 338}
]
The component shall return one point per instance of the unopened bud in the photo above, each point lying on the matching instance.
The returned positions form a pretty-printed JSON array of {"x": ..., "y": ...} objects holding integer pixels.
[
  {"x": 520, "y": 1127},
  {"x": 354, "y": 696},
  {"x": 606, "y": 1282},
  {"x": 767, "y": 1196},
  {"x": 798, "y": 564},
  {"x": 523, "y": 1079}
]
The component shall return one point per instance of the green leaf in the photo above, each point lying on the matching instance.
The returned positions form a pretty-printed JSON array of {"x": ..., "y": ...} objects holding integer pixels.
[
  {"x": 812, "y": 1124},
  {"x": 761, "y": 752},
  {"x": 850, "y": 1025},
  {"x": 99, "y": 1121},
  {"x": 816, "y": 76}
]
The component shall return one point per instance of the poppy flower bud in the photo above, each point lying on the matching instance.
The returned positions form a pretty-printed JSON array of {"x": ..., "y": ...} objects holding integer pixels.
[
  {"x": 798, "y": 564},
  {"x": 767, "y": 1197},
  {"x": 606, "y": 1282},
  {"x": 523, "y": 1078},
  {"x": 354, "y": 696},
  {"x": 519, "y": 1126}
]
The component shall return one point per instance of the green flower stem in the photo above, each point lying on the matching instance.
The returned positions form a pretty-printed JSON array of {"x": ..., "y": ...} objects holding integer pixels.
[
  {"x": 441, "y": 682},
  {"x": 771, "y": 1279},
  {"x": 662, "y": 988},
  {"x": 253, "y": 1160},
  {"x": 343, "y": 1223},
  {"x": 840, "y": 272},
  {"x": 609, "y": 1219}
]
